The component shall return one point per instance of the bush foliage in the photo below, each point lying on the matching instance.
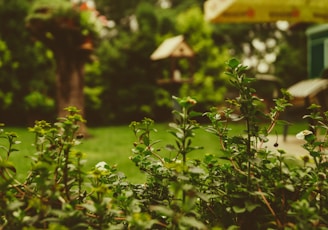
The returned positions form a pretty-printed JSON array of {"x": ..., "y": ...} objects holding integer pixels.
[{"x": 242, "y": 186}]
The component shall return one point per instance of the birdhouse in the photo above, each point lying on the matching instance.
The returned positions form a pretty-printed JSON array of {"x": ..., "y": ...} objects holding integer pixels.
[{"x": 180, "y": 56}]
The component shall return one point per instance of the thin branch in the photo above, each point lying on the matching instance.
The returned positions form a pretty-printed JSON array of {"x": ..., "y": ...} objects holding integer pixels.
[{"x": 270, "y": 208}]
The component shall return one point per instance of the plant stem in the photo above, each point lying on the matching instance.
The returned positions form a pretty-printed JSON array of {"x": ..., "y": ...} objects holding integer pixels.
[
  {"x": 248, "y": 151},
  {"x": 65, "y": 173}
]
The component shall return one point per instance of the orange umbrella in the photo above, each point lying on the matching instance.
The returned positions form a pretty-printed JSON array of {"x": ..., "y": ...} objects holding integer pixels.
[{"x": 266, "y": 10}]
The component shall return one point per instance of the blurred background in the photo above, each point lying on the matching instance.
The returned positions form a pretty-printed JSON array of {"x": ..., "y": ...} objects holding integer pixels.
[{"x": 122, "y": 82}]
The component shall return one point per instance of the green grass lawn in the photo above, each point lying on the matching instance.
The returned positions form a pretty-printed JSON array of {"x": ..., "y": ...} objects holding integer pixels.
[{"x": 113, "y": 144}]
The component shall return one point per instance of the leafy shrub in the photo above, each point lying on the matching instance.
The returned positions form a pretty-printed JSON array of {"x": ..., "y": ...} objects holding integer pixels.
[{"x": 242, "y": 186}]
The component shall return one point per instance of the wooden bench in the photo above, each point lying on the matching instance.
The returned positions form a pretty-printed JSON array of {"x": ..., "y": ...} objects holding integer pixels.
[{"x": 306, "y": 92}]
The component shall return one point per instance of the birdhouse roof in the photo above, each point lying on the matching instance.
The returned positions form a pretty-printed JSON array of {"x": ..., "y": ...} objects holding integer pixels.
[{"x": 173, "y": 47}]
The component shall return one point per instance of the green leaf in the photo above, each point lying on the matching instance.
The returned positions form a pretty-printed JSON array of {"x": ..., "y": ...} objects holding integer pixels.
[
  {"x": 238, "y": 209},
  {"x": 196, "y": 170},
  {"x": 170, "y": 147},
  {"x": 7, "y": 165},
  {"x": 233, "y": 63},
  {"x": 204, "y": 197},
  {"x": 190, "y": 221},
  {"x": 251, "y": 206},
  {"x": 15, "y": 205},
  {"x": 146, "y": 140},
  {"x": 290, "y": 187},
  {"x": 14, "y": 150},
  {"x": 194, "y": 114},
  {"x": 161, "y": 209}
]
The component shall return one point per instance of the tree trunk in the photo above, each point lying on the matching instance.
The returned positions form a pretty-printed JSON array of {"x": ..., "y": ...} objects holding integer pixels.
[{"x": 70, "y": 84}]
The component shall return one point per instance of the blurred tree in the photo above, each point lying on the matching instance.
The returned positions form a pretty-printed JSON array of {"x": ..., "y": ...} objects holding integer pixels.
[
  {"x": 25, "y": 66},
  {"x": 210, "y": 82},
  {"x": 291, "y": 64},
  {"x": 123, "y": 73},
  {"x": 70, "y": 30},
  {"x": 266, "y": 48}
]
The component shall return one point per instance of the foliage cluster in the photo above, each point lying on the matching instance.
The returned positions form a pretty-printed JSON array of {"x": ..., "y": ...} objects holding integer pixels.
[
  {"x": 27, "y": 66},
  {"x": 51, "y": 22},
  {"x": 242, "y": 186}
]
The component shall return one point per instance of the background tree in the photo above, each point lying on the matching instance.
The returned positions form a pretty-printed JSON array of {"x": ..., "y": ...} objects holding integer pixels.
[
  {"x": 25, "y": 69},
  {"x": 210, "y": 82},
  {"x": 291, "y": 64},
  {"x": 267, "y": 48},
  {"x": 70, "y": 31},
  {"x": 123, "y": 76}
]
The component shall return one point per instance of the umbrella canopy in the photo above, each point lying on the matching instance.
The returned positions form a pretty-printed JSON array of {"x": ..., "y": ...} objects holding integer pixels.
[{"x": 266, "y": 10}]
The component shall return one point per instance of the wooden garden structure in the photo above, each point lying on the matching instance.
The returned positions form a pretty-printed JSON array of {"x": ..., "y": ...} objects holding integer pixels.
[{"x": 180, "y": 56}]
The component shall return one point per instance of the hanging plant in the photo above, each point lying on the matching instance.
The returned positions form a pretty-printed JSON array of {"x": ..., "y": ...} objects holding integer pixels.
[{"x": 64, "y": 23}]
